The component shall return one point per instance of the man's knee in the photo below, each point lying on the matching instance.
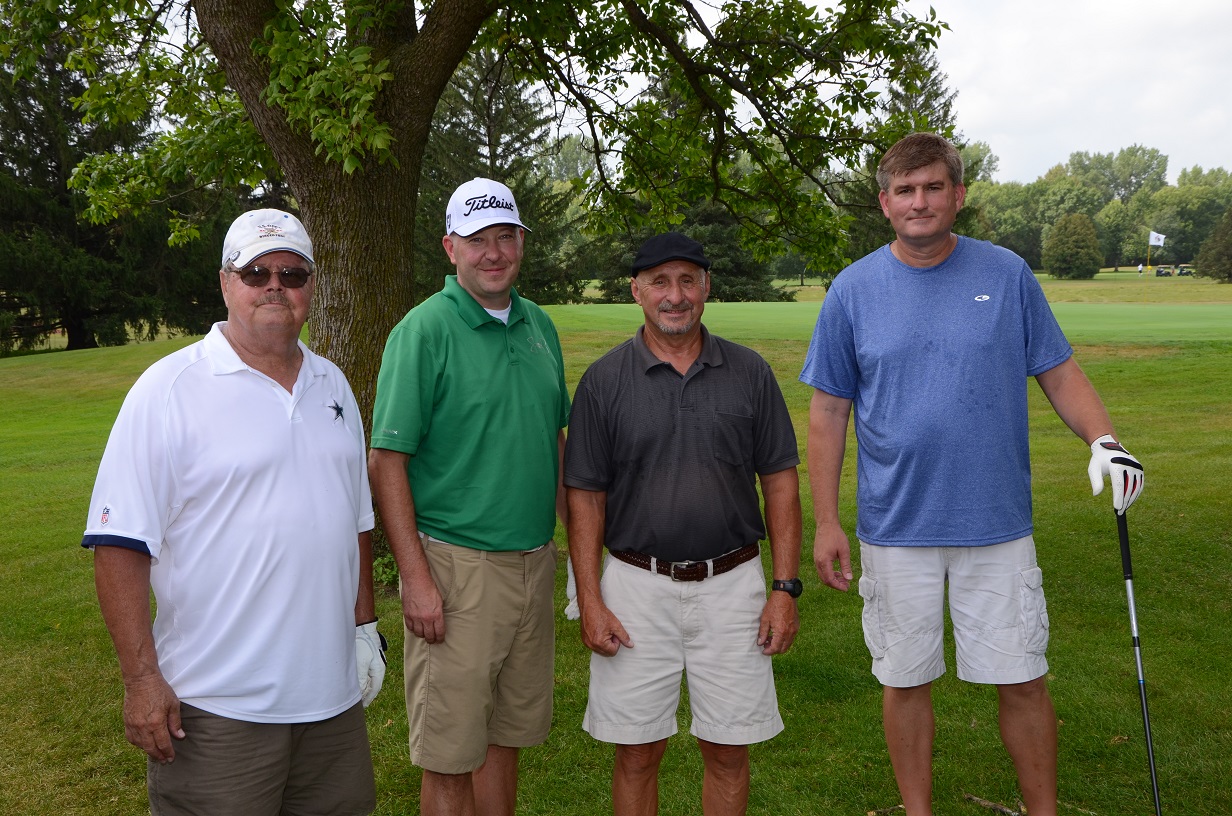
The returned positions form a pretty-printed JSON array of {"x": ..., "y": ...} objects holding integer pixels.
[
  {"x": 640, "y": 759},
  {"x": 1031, "y": 693},
  {"x": 724, "y": 759},
  {"x": 447, "y": 783}
]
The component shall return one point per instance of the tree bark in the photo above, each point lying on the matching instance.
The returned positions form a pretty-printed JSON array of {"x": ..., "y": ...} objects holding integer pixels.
[{"x": 362, "y": 225}]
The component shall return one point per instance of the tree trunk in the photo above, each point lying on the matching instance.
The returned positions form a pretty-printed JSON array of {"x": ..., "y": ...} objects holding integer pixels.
[
  {"x": 362, "y": 232},
  {"x": 362, "y": 225},
  {"x": 79, "y": 335}
]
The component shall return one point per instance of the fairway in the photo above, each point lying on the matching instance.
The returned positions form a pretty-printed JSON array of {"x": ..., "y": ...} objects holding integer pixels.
[
  {"x": 1166, "y": 324},
  {"x": 1162, "y": 367}
]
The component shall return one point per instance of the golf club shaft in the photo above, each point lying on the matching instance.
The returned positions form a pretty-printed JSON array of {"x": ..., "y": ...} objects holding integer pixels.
[{"x": 1123, "y": 532}]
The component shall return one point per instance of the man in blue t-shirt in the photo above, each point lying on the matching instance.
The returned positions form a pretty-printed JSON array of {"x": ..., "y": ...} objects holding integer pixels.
[{"x": 932, "y": 338}]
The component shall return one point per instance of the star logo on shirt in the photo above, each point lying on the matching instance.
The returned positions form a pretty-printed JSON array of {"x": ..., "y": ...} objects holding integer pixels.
[{"x": 337, "y": 409}]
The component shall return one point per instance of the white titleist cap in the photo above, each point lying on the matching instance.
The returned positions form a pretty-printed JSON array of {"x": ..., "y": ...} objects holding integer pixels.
[
  {"x": 260, "y": 231},
  {"x": 478, "y": 204}
]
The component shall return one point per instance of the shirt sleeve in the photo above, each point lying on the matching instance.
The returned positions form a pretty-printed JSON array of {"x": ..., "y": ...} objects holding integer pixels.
[
  {"x": 563, "y": 419},
  {"x": 134, "y": 494},
  {"x": 588, "y": 454},
  {"x": 405, "y": 391},
  {"x": 830, "y": 364},
  {"x": 365, "y": 517},
  {"x": 1046, "y": 346},
  {"x": 775, "y": 446}
]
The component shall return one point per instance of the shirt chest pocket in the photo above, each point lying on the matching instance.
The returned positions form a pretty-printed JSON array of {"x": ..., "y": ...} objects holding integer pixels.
[{"x": 732, "y": 439}]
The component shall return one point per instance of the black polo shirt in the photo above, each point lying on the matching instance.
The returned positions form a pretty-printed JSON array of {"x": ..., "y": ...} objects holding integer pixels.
[{"x": 678, "y": 455}]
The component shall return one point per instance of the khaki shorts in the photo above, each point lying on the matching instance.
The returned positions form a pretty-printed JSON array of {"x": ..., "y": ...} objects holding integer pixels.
[
  {"x": 996, "y": 596},
  {"x": 265, "y": 769},
  {"x": 490, "y": 681},
  {"x": 705, "y": 630}
]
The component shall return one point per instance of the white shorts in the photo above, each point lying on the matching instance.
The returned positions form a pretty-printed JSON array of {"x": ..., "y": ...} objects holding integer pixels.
[
  {"x": 996, "y": 605},
  {"x": 704, "y": 629}
]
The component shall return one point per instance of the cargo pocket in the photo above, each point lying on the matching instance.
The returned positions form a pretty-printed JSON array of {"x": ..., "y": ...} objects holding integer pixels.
[
  {"x": 1033, "y": 610},
  {"x": 874, "y": 634}
]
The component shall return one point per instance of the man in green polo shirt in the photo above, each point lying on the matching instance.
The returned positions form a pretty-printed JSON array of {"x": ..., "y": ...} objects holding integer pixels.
[{"x": 467, "y": 432}]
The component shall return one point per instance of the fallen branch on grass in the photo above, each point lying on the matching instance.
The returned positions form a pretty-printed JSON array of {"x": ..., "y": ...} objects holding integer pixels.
[{"x": 993, "y": 806}]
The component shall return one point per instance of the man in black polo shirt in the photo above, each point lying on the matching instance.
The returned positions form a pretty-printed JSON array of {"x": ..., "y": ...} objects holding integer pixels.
[{"x": 669, "y": 433}]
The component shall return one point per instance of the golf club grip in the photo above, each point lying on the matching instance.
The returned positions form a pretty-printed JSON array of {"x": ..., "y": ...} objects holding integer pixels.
[{"x": 1123, "y": 533}]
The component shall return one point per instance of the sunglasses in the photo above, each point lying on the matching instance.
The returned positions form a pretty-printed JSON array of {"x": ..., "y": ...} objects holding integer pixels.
[{"x": 292, "y": 277}]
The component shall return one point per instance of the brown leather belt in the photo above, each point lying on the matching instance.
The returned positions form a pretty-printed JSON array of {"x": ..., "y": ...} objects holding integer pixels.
[{"x": 689, "y": 570}]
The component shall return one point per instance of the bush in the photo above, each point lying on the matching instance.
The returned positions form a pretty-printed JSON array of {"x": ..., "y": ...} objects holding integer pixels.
[
  {"x": 1072, "y": 248},
  {"x": 1215, "y": 257}
]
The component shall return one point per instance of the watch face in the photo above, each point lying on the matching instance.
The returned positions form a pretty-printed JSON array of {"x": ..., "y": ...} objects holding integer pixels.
[{"x": 792, "y": 587}]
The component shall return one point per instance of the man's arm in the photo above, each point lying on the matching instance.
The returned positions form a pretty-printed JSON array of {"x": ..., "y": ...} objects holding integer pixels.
[
  {"x": 365, "y": 601},
  {"x": 1075, "y": 400},
  {"x": 422, "y": 608},
  {"x": 780, "y": 619},
  {"x": 602, "y": 632},
  {"x": 827, "y": 442},
  {"x": 151, "y": 709},
  {"x": 562, "y": 503},
  {"x": 1079, "y": 406}
]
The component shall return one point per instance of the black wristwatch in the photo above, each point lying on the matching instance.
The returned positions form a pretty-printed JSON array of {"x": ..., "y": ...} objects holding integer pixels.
[{"x": 792, "y": 587}]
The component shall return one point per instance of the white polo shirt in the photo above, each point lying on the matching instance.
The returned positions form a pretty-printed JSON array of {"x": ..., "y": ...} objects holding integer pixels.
[{"x": 249, "y": 501}]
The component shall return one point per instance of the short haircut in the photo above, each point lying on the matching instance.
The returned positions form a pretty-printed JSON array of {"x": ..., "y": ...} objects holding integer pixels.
[{"x": 916, "y": 151}]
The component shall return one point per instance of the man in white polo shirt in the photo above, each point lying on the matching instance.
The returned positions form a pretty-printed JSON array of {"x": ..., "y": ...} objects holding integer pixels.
[{"x": 234, "y": 484}]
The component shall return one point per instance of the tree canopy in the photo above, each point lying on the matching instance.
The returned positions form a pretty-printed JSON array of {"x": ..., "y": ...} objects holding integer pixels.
[
  {"x": 1215, "y": 258},
  {"x": 335, "y": 98},
  {"x": 1072, "y": 248},
  {"x": 93, "y": 283}
]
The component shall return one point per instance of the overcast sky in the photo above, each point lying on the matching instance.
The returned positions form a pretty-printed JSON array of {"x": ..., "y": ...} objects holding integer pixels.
[{"x": 1042, "y": 79}]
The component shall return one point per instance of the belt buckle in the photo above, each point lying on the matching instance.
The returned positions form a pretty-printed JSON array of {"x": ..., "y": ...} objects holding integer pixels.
[{"x": 683, "y": 565}]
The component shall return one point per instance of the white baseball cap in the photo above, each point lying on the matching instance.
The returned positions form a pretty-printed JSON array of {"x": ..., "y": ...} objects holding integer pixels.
[
  {"x": 478, "y": 204},
  {"x": 260, "y": 231}
]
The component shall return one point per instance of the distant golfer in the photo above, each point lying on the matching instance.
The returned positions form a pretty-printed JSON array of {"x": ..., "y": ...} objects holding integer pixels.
[
  {"x": 234, "y": 483},
  {"x": 932, "y": 338}
]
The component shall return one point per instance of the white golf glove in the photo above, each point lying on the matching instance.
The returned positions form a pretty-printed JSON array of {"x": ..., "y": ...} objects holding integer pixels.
[
  {"x": 370, "y": 646},
  {"x": 1109, "y": 459},
  {"x": 572, "y": 612}
]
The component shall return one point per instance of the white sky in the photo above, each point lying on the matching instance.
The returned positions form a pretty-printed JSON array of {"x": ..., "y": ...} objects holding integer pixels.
[{"x": 1039, "y": 80}]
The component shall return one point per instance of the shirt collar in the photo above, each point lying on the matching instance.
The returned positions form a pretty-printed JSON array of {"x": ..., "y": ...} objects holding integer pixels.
[
  {"x": 224, "y": 360},
  {"x": 710, "y": 355},
  {"x": 469, "y": 308}
]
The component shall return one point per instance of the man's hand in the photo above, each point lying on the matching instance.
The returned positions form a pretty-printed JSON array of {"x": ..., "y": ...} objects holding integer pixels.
[
  {"x": 830, "y": 545},
  {"x": 780, "y": 621},
  {"x": 370, "y": 646},
  {"x": 422, "y": 607},
  {"x": 602, "y": 632},
  {"x": 1108, "y": 458},
  {"x": 152, "y": 716}
]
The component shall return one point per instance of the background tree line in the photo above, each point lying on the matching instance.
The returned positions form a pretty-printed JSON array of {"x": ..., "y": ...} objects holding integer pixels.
[
  {"x": 91, "y": 186},
  {"x": 1105, "y": 205}
]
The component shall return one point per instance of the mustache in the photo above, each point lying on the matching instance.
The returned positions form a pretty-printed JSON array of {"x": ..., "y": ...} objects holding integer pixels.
[
  {"x": 274, "y": 297},
  {"x": 665, "y": 306}
]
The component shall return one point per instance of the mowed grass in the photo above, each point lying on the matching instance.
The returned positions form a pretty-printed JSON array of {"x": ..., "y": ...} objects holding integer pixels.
[{"x": 1162, "y": 367}]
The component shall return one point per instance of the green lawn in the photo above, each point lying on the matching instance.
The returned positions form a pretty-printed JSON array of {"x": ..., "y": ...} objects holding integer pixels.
[{"x": 1162, "y": 365}]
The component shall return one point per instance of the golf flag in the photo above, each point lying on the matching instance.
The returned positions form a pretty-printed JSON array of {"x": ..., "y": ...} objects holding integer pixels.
[{"x": 1156, "y": 239}]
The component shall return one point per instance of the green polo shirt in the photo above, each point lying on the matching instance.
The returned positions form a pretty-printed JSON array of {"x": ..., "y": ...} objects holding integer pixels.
[{"x": 477, "y": 404}]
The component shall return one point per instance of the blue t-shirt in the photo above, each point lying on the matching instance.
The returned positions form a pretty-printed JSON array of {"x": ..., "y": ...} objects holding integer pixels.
[{"x": 936, "y": 361}]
